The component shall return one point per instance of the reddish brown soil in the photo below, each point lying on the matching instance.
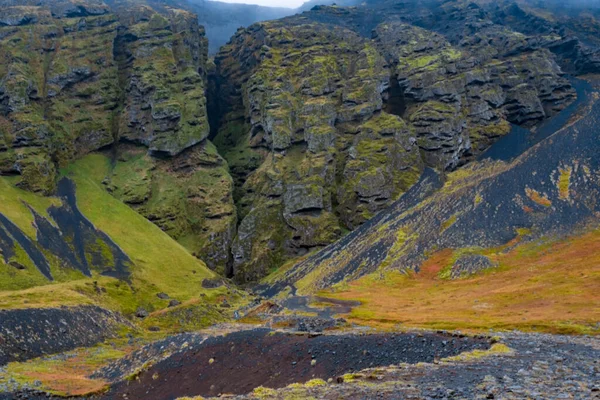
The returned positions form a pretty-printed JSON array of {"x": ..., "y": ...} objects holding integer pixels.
[{"x": 245, "y": 360}]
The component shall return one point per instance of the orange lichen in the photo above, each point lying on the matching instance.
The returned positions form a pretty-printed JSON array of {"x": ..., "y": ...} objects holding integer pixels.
[{"x": 538, "y": 198}]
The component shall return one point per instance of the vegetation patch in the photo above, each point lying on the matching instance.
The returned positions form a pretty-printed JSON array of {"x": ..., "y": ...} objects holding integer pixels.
[
  {"x": 538, "y": 198},
  {"x": 564, "y": 181},
  {"x": 67, "y": 374},
  {"x": 538, "y": 286},
  {"x": 497, "y": 349}
]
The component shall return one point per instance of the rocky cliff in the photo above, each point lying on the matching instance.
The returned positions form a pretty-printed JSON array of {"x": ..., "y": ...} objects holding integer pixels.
[
  {"x": 486, "y": 208},
  {"x": 78, "y": 77},
  {"x": 319, "y": 121},
  {"x": 327, "y": 117}
]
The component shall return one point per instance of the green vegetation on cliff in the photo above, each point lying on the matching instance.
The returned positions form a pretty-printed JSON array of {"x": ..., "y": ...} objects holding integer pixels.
[{"x": 159, "y": 264}]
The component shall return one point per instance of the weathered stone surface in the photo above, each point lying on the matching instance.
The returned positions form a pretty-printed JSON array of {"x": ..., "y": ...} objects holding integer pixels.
[
  {"x": 189, "y": 196},
  {"x": 485, "y": 206},
  {"x": 464, "y": 96},
  {"x": 32, "y": 333},
  {"x": 165, "y": 106},
  {"x": 57, "y": 88},
  {"x": 322, "y": 119},
  {"x": 306, "y": 101},
  {"x": 77, "y": 77},
  {"x": 316, "y": 136}
]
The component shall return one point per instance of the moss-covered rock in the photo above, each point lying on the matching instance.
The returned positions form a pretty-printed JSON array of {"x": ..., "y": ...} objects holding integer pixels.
[
  {"x": 461, "y": 97},
  {"x": 58, "y": 86},
  {"x": 190, "y": 197},
  {"x": 165, "y": 106},
  {"x": 299, "y": 136},
  {"x": 76, "y": 77}
]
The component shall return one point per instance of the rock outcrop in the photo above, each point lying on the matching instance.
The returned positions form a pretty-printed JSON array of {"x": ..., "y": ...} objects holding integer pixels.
[
  {"x": 319, "y": 120},
  {"x": 548, "y": 191},
  {"x": 189, "y": 196},
  {"x": 165, "y": 106},
  {"x": 31, "y": 333},
  {"x": 327, "y": 117},
  {"x": 57, "y": 90},
  {"x": 310, "y": 147},
  {"x": 78, "y": 77}
]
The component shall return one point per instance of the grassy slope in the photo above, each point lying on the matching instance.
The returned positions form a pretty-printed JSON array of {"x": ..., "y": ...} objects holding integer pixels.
[
  {"x": 13, "y": 207},
  {"x": 160, "y": 263},
  {"x": 550, "y": 286}
]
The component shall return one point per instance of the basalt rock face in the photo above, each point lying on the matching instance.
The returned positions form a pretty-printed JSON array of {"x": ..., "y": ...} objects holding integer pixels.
[
  {"x": 165, "y": 106},
  {"x": 57, "y": 89},
  {"x": 464, "y": 97},
  {"x": 309, "y": 145},
  {"x": 327, "y": 117},
  {"x": 572, "y": 28},
  {"x": 463, "y": 77},
  {"x": 549, "y": 190},
  {"x": 77, "y": 77},
  {"x": 319, "y": 120},
  {"x": 188, "y": 196}
]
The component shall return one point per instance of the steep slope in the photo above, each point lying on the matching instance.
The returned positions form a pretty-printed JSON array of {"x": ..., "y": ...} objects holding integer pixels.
[
  {"x": 124, "y": 81},
  {"x": 320, "y": 120},
  {"x": 77, "y": 77},
  {"x": 488, "y": 207},
  {"x": 327, "y": 117},
  {"x": 84, "y": 246},
  {"x": 315, "y": 119}
]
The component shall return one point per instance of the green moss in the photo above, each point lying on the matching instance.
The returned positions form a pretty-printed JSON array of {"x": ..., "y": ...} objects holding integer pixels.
[
  {"x": 12, "y": 278},
  {"x": 264, "y": 393},
  {"x": 385, "y": 123},
  {"x": 188, "y": 317},
  {"x": 497, "y": 349},
  {"x": 564, "y": 182},
  {"x": 160, "y": 264},
  {"x": 449, "y": 222}
]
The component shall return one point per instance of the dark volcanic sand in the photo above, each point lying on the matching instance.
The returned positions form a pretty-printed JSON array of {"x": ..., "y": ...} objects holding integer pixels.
[{"x": 248, "y": 359}]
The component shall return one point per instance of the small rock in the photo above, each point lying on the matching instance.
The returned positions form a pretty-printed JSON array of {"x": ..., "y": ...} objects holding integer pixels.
[
  {"x": 162, "y": 296},
  {"x": 141, "y": 312},
  {"x": 17, "y": 265},
  {"x": 174, "y": 303}
]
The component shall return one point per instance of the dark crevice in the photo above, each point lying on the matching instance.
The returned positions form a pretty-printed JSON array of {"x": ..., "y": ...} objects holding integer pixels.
[
  {"x": 124, "y": 59},
  {"x": 394, "y": 99},
  {"x": 213, "y": 107}
]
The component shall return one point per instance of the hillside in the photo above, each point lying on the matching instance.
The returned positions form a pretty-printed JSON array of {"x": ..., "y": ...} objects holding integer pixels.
[
  {"x": 391, "y": 198},
  {"x": 324, "y": 131},
  {"x": 85, "y": 247}
]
